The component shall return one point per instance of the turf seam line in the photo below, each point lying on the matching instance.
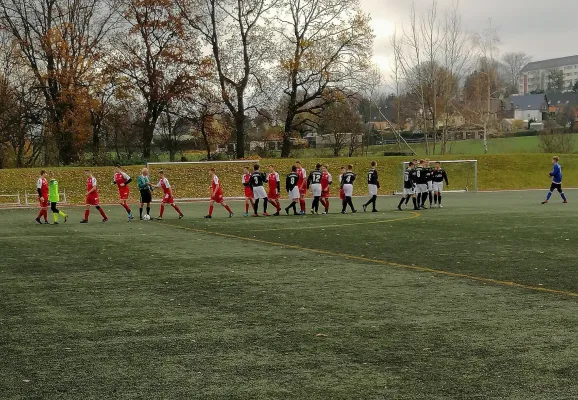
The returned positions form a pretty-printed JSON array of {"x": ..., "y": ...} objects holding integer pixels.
[{"x": 386, "y": 263}]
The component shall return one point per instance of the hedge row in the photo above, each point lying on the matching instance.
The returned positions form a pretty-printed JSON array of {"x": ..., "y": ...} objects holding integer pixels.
[{"x": 495, "y": 172}]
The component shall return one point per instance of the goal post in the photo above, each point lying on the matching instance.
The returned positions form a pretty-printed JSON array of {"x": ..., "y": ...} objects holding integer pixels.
[
  {"x": 190, "y": 179},
  {"x": 462, "y": 175}
]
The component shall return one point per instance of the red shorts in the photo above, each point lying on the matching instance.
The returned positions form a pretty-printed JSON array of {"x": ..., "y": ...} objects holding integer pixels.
[
  {"x": 303, "y": 191},
  {"x": 43, "y": 203},
  {"x": 168, "y": 199},
  {"x": 92, "y": 200},
  {"x": 342, "y": 194},
  {"x": 248, "y": 192},
  {"x": 325, "y": 193},
  {"x": 218, "y": 198},
  {"x": 124, "y": 192},
  {"x": 273, "y": 195}
]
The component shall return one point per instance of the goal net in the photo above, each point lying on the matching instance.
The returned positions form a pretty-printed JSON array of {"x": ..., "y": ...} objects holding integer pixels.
[
  {"x": 190, "y": 180},
  {"x": 462, "y": 175}
]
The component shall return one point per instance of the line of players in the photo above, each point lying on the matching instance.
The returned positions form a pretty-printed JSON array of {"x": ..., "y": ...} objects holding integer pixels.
[{"x": 420, "y": 181}]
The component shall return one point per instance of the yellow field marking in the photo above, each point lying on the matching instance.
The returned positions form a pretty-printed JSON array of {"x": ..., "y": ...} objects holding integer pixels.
[
  {"x": 382, "y": 262},
  {"x": 383, "y": 221},
  {"x": 76, "y": 235}
]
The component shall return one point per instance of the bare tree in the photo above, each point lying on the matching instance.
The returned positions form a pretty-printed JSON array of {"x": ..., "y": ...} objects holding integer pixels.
[
  {"x": 239, "y": 37},
  {"x": 341, "y": 125},
  {"x": 515, "y": 62}
]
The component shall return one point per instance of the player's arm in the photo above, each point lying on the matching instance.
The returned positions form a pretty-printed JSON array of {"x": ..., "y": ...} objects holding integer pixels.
[
  {"x": 377, "y": 180},
  {"x": 94, "y": 187},
  {"x": 445, "y": 176},
  {"x": 309, "y": 180},
  {"x": 38, "y": 187},
  {"x": 278, "y": 186},
  {"x": 127, "y": 179},
  {"x": 287, "y": 180}
]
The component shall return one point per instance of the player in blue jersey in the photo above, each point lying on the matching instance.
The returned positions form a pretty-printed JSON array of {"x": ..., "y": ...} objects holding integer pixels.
[{"x": 556, "y": 175}]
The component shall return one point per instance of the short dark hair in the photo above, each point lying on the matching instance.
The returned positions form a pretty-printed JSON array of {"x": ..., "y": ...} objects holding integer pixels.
[
  {"x": 350, "y": 166},
  {"x": 162, "y": 171},
  {"x": 317, "y": 165},
  {"x": 212, "y": 169},
  {"x": 42, "y": 172},
  {"x": 256, "y": 167},
  {"x": 411, "y": 164},
  {"x": 556, "y": 158},
  {"x": 297, "y": 162},
  {"x": 373, "y": 163},
  {"x": 294, "y": 168},
  {"x": 437, "y": 162},
  {"x": 117, "y": 165}
]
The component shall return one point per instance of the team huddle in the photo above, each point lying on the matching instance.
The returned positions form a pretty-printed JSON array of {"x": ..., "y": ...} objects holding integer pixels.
[{"x": 420, "y": 181}]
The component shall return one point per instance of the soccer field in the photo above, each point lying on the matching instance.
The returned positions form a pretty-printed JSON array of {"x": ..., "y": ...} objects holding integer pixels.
[{"x": 475, "y": 300}]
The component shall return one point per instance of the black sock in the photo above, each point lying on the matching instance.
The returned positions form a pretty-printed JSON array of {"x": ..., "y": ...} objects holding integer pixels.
[
  {"x": 407, "y": 199},
  {"x": 423, "y": 197},
  {"x": 435, "y": 198},
  {"x": 440, "y": 199},
  {"x": 374, "y": 201},
  {"x": 140, "y": 212},
  {"x": 148, "y": 211},
  {"x": 265, "y": 202},
  {"x": 316, "y": 201},
  {"x": 294, "y": 204},
  {"x": 401, "y": 202},
  {"x": 344, "y": 204},
  {"x": 256, "y": 206},
  {"x": 350, "y": 202},
  {"x": 430, "y": 198},
  {"x": 414, "y": 202}
]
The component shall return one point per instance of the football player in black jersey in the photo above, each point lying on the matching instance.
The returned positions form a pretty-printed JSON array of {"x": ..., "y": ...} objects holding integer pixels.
[
  {"x": 314, "y": 183},
  {"x": 421, "y": 183},
  {"x": 257, "y": 180},
  {"x": 347, "y": 185},
  {"x": 372, "y": 186},
  {"x": 429, "y": 175},
  {"x": 292, "y": 186},
  {"x": 439, "y": 176},
  {"x": 408, "y": 187}
]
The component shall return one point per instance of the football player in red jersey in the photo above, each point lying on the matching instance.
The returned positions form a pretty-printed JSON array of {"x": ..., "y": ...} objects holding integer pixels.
[
  {"x": 246, "y": 181},
  {"x": 302, "y": 184},
  {"x": 42, "y": 189},
  {"x": 274, "y": 188},
  {"x": 121, "y": 179},
  {"x": 92, "y": 198},
  {"x": 326, "y": 180},
  {"x": 216, "y": 194},
  {"x": 167, "y": 196}
]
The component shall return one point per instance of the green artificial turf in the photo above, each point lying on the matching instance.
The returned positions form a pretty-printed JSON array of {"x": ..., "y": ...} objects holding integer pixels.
[{"x": 273, "y": 308}]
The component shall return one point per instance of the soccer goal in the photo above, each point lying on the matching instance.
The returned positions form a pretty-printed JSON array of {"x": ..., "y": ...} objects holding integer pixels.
[
  {"x": 190, "y": 180},
  {"x": 462, "y": 175}
]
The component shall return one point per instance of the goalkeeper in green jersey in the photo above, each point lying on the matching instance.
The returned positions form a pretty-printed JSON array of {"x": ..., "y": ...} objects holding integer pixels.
[
  {"x": 54, "y": 198},
  {"x": 145, "y": 188}
]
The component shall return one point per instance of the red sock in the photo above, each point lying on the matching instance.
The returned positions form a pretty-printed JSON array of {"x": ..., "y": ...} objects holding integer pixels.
[
  {"x": 101, "y": 211},
  {"x": 86, "y": 213},
  {"x": 302, "y": 204},
  {"x": 211, "y": 210},
  {"x": 177, "y": 209},
  {"x": 278, "y": 205},
  {"x": 326, "y": 205},
  {"x": 228, "y": 208},
  {"x": 162, "y": 210},
  {"x": 126, "y": 207},
  {"x": 40, "y": 214},
  {"x": 45, "y": 214},
  {"x": 323, "y": 203},
  {"x": 247, "y": 207}
]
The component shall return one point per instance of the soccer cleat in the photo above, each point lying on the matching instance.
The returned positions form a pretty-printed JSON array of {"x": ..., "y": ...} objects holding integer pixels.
[
  {"x": 353, "y": 211},
  {"x": 276, "y": 214},
  {"x": 287, "y": 211},
  {"x": 364, "y": 208},
  {"x": 343, "y": 212},
  {"x": 545, "y": 202},
  {"x": 245, "y": 214},
  {"x": 208, "y": 217},
  {"x": 181, "y": 216},
  {"x": 130, "y": 217},
  {"x": 266, "y": 214},
  {"x": 313, "y": 212},
  {"x": 84, "y": 221},
  {"x": 159, "y": 218},
  {"x": 38, "y": 220},
  {"x": 565, "y": 201},
  {"x": 302, "y": 213},
  {"x": 65, "y": 218},
  {"x": 255, "y": 215},
  {"x": 440, "y": 206},
  {"x": 103, "y": 220},
  {"x": 416, "y": 208},
  {"x": 374, "y": 211},
  {"x": 140, "y": 218},
  {"x": 296, "y": 214},
  {"x": 423, "y": 207},
  {"x": 231, "y": 215},
  {"x": 55, "y": 223},
  {"x": 46, "y": 223},
  {"x": 324, "y": 213},
  {"x": 399, "y": 208}
]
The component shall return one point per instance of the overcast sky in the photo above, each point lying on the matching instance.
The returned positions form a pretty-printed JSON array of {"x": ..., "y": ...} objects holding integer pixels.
[{"x": 541, "y": 28}]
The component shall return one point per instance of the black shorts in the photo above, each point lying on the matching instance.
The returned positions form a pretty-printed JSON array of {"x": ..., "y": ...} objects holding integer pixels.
[
  {"x": 146, "y": 196},
  {"x": 556, "y": 186}
]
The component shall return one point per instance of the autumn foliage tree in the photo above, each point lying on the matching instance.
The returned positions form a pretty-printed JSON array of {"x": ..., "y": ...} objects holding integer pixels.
[{"x": 158, "y": 58}]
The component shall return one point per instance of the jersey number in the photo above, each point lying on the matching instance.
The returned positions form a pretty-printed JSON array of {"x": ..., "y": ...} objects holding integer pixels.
[
  {"x": 406, "y": 177},
  {"x": 348, "y": 179},
  {"x": 292, "y": 181},
  {"x": 256, "y": 180},
  {"x": 316, "y": 178},
  {"x": 418, "y": 173}
]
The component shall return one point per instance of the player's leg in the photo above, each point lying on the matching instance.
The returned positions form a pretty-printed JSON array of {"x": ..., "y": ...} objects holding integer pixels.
[
  {"x": 403, "y": 198},
  {"x": 227, "y": 208},
  {"x": 102, "y": 214},
  {"x": 148, "y": 208},
  {"x": 54, "y": 210},
  {"x": 256, "y": 208},
  {"x": 177, "y": 209},
  {"x": 326, "y": 205},
  {"x": 415, "y": 204},
  {"x": 211, "y": 208},
  {"x": 265, "y": 203},
  {"x": 552, "y": 188},
  {"x": 86, "y": 214},
  {"x": 562, "y": 193},
  {"x": 302, "y": 203},
  {"x": 161, "y": 210},
  {"x": 140, "y": 209}
]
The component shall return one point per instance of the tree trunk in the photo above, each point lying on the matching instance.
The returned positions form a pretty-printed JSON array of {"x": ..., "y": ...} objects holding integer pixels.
[
  {"x": 206, "y": 140},
  {"x": 147, "y": 134},
  {"x": 240, "y": 129}
]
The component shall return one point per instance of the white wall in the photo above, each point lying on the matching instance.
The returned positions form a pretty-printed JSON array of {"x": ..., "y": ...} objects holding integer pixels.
[{"x": 528, "y": 115}]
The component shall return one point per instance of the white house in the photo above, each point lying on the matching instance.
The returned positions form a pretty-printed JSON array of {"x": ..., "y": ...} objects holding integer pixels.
[{"x": 529, "y": 107}]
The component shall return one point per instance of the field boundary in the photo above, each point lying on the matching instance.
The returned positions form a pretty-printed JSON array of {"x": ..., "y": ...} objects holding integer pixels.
[{"x": 419, "y": 268}]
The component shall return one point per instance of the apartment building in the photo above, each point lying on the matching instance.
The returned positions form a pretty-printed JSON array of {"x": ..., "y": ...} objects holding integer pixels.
[{"x": 534, "y": 76}]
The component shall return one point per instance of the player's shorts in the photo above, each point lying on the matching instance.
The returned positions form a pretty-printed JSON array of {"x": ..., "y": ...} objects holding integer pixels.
[
  {"x": 259, "y": 192},
  {"x": 294, "y": 194},
  {"x": 430, "y": 186},
  {"x": 316, "y": 189},
  {"x": 325, "y": 193},
  {"x": 168, "y": 199},
  {"x": 145, "y": 196},
  {"x": 43, "y": 203},
  {"x": 303, "y": 191},
  {"x": 273, "y": 195},
  {"x": 92, "y": 200},
  {"x": 348, "y": 190},
  {"x": 438, "y": 187},
  {"x": 408, "y": 191},
  {"x": 421, "y": 188},
  {"x": 248, "y": 192},
  {"x": 218, "y": 198},
  {"x": 372, "y": 190},
  {"x": 124, "y": 192},
  {"x": 556, "y": 186}
]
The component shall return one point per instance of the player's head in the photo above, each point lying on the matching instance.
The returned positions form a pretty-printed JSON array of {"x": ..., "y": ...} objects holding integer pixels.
[
  {"x": 298, "y": 164},
  {"x": 161, "y": 173},
  {"x": 373, "y": 164},
  {"x": 212, "y": 171},
  {"x": 411, "y": 164},
  {"x": 271, "y": 168},
  {"x": 324, "y": 168},
  {"x": 350, "y": 167},
  {"x": 42, "y": 173},
  {"x": 342, "y": 169},
  {"x": 145, "y": 172},
  {"x": 421, "y": 162},
  {"x": 51, "y": 174},
  {"x": 426, "y": 161},
  {"x": 87, "y": 172},
  {"x": 294, "y": 168},
  {"x": 117, "y": 168},
  {"x": 414, "y": 161},
  {"x": 555, "y": 159},
  {"x": 438, "y": 165},
  {"x": 256, "y": 167},
  {"x": 246, "y": 170},
  {"x": 317, "y": 166}
]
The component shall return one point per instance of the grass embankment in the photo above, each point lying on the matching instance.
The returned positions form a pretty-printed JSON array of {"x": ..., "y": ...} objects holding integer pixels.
[{"x": 495, "y": 172}]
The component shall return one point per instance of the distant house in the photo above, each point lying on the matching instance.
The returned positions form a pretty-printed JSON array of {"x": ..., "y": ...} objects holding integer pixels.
[
  {"x": 534, "y": 76},
  {"x": 529, "y": 107}
]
